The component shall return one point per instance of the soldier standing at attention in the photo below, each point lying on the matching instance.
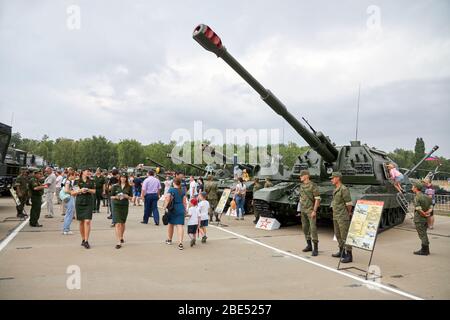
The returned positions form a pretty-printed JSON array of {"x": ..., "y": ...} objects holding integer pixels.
[
  {"x": 423, "y": 209},
  {"x": 37, "y": 190},
  {"x": 268, "y": 183},
  {"x": 342, "y": 211},
  {"x": 21, "y": 186},
  {"x": 256, "y": 186},
  {"x": 309, "y": 204},
  {"x": 212, "y": 197}
]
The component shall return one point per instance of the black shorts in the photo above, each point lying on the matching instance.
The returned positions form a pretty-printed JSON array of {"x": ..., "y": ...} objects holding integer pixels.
[
  {"x": 192, "y": 229},
  {"x": 204, "y": 223}
]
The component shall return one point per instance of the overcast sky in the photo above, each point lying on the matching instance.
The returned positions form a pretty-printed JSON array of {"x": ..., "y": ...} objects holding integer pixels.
[{"x": 132, "y": 69}]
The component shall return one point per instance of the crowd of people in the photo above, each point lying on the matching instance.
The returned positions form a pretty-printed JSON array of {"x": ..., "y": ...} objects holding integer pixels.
[{"x": 81, "y": 193}]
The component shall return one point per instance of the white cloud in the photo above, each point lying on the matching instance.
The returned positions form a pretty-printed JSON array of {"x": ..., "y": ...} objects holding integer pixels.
[{"x": 137, "y": 71}]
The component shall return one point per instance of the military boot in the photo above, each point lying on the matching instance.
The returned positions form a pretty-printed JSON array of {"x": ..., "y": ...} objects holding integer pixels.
[
  {"x": 348, "y": 257},
  {"x": 308, "y": 246},
  {"x": 337, "y": 254},
  {"x": 424, "y": 251},
  {"x": 315, "y": 251}
]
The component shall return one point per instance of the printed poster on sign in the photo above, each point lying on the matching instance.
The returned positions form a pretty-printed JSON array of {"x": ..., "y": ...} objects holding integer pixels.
[
  {"x": 15, "y": 197},
  {"x": 364, "y": 225},
  {"x": 223, "y": 200}
]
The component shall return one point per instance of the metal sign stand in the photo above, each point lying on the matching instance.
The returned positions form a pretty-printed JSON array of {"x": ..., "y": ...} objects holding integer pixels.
[
  {"x": 368, "y": 266},
  {"x": 371, "y": 254},
  {"x": 17, "y": 203},
  {"x": 219, "y": 223}
]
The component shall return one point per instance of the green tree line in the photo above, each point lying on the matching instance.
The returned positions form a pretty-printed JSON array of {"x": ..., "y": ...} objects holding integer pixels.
[{"x": 98, "y": 151}]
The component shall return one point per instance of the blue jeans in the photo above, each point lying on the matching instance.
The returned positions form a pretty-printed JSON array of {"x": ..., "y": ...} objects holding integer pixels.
[
  {"x": 151, "y": 205},
  {"x": 240, "y": 201},
  {"x": 70, "y": 209}
]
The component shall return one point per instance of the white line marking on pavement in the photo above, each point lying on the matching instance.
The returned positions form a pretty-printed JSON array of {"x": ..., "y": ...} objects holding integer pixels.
[
  {"x": 365, "y": 282},
  {"x": 13, "y": 234}
]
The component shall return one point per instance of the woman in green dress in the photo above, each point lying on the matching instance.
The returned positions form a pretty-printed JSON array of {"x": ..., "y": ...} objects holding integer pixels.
[
  {"x": 121, "y": 193},
  {"x": 84, "y": 205}
]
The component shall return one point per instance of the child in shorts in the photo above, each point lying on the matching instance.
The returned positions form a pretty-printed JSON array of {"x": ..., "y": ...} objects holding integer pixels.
[
  {"x": 203, "y": 208},
  {"x": 396, "y": 177},
  {"x": 194, "y": 220}
]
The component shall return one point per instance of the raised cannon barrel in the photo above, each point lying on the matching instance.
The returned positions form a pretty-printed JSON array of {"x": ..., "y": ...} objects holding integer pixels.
[
  {"x": 223, "y": 158},
  {"x": 411, "y": 171},
  {"x": 209, "y": 40},
  {"x": 155, "y": 162},
  {"x": 173, "y": 157}
]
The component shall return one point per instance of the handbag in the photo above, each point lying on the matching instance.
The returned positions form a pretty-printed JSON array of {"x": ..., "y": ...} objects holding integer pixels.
[
  {"x": 165, "y": 218},
  {"x": 63, "y": 195},
  {"x": 170, "y": 205}
]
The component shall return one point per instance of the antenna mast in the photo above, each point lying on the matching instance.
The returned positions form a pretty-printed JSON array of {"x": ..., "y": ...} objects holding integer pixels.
[{"x": 357, "y": 112}]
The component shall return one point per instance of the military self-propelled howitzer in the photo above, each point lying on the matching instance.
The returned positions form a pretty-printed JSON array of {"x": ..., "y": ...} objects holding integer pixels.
[
  {"x": 363, "y": 168},
  {"x": 270, "y": 168}
]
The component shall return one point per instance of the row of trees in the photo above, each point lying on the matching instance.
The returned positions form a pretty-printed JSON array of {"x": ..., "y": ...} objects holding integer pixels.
[{"x": 101, "y": 152}]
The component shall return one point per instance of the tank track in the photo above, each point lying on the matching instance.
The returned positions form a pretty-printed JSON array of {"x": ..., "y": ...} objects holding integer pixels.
[{"x": 287, "y": 216}]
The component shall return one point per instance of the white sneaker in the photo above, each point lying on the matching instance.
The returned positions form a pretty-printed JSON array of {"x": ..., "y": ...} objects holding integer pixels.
[{"x": 66, "y": 233}]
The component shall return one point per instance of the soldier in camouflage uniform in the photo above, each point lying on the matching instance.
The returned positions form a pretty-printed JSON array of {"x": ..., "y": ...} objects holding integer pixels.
[
  {"x": 21, "y": 187},
  {"x": 256, "y": 186},
  {"x": 212, "y": 197},
  {"x": 309, "y": 204},
  {"x": 37, "y": 190},
  {"x": 342, "y": 211},
  {"x": 423, "y": 208}
]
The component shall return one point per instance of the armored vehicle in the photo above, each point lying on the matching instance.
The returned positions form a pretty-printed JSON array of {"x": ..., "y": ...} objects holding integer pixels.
[
  {"x": 363, "y": 168},
  {"x": 11, "y": 160}
]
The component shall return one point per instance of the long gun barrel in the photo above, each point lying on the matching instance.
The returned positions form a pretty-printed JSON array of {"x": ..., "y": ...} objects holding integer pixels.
[
  {"x": 155, "y": 162},
  {"x": 209, "y": 40},
  {"x": 409, "y": 172},
  {"x": 189, "y": 164},
  {"x": 220, "y": 156}
]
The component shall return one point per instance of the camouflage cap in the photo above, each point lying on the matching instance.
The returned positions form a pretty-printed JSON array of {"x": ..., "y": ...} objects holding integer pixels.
[
  {"x": 418, "y": 185},
  {"x": 336, "y": 175},
  {"x": 304, "y": 173},
  {"x": 124, "y": 174}
]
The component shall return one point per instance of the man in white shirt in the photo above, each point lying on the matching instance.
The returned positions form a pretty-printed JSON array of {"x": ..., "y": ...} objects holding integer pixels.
[
  {"x": 50, "y": 181},
  {"x": 59, "y": 179},
  {"x": 192, "y": 188}
]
